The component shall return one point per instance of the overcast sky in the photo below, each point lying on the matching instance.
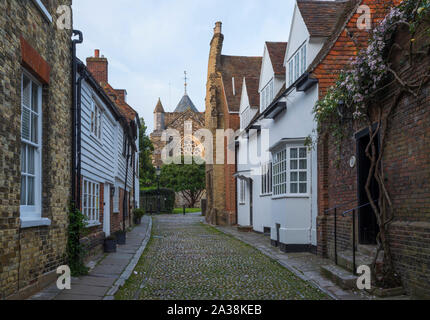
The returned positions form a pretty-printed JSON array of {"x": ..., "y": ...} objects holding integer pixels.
[{"x": 149, "y": 43}]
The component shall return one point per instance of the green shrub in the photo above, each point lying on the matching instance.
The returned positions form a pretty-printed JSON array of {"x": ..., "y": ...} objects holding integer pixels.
[
  {"x": 139, "y": 212},
  {"x": 150, "y": 200}
]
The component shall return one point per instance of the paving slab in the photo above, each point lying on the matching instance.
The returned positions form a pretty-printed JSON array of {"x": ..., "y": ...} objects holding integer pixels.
[{"x": 105, "y": 272}]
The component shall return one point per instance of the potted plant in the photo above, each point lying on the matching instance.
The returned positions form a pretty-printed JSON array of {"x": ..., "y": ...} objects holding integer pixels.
[
  {"x": 110, "y": 244},
  {"x": 121, "y": 237},
  {"x": 138, "y": 214}
]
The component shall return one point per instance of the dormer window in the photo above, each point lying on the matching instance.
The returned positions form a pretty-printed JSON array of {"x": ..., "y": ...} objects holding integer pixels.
[
  {"x": 297, "y": 64},
  {"x": 267, "y": 95}
]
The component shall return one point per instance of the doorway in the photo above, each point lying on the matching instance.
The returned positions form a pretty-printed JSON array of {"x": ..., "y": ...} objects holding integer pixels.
[
  {"x": 367, "y": 224},
  {"x": 106, "y": 211}
]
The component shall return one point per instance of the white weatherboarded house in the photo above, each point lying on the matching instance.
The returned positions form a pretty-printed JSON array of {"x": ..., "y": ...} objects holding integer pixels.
[{"x": 106, "y": 142}]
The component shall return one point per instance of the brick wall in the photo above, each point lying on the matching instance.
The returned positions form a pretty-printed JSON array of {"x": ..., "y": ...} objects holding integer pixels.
[
  {"x": 406, "y": 170},
  {"x": 28, "y": 257}
]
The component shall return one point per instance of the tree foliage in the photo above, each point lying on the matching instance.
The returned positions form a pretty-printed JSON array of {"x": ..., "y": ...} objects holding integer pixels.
[
  {"x": 146, "y": 169},
  {"x": 188, "y": 179}
]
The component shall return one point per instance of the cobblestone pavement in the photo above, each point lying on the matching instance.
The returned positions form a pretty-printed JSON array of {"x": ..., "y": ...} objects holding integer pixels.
[{"x": 188, "y": 260}]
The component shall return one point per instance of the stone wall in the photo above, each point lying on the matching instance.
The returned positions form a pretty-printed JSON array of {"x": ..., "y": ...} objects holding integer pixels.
[{"x": 29, "y": 257}]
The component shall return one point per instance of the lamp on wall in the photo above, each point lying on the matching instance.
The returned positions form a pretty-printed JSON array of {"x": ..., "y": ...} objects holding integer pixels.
[{"x": 112, "y": 191}]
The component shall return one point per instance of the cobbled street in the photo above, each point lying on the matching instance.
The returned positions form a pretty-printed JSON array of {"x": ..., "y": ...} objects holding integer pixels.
[{"x": 188, "y": 260}]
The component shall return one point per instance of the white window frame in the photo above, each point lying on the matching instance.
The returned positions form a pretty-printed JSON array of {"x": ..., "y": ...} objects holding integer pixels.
[
  {"x": 115, "y": 207},
  {"x": 267, "y": 95},
  {"x": 282, "y": 185},
  {"x": 91, "y": 201},
  {"x": 266, "y": 179},
  {"x": 96, "y": 120},
  {"x": 43, "y": 10},
  {"x": 242, "y": 192},
  {"x": 297, "y": 64},
  {"x": 31, "y": 214},
  {"x": 279, "y": 178}
]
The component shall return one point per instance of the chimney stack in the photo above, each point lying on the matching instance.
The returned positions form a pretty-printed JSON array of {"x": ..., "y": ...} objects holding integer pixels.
[
  {"x": 98, "y": 67},
  {"x": 218, "y": 27}
]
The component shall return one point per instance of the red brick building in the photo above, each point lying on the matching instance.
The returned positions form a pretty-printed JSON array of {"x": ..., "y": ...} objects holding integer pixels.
[
  {"x": 343, "y": 171},
  {"x": 224, "y": 86}
]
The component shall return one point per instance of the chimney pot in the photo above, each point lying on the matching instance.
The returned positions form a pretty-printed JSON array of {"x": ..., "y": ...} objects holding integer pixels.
[
  {"x": 218, "y": 27},
  {"x": 97, "y": 53}
]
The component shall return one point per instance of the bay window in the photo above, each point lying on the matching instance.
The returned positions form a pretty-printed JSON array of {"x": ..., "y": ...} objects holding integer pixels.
[
  {"x": 31, "y": 148},
  {"x": 291, "y": 171}
]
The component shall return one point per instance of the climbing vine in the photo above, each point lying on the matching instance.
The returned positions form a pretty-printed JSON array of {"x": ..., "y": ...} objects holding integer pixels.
[
  {"x": 75, "y": 250},
  {"x": 354, "y": 98}
]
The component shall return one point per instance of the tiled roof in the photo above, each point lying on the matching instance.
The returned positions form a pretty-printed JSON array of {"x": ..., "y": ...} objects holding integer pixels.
[
  {"x": 320, "y": 17},
  {"x": 277, "y": 54},
  {"x": 238, "y": 68},
  {"x": 185, "y": 104},
  {"x": 252, "y": 85},
  {"x": 345, "y": 42},
  {"x": 128, "y": 112},
  {"x": 159, "y": 107}
]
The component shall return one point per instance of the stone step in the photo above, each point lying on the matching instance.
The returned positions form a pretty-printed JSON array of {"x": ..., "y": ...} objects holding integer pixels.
[
  {"x": 369, "y": 250},
  {"x": 343, "y": 278},
  {"x": 245, "y": 228},
  {"x": 345, "y": 260}
]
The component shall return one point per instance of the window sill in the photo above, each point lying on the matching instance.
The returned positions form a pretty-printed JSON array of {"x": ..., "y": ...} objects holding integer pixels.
[
  {"x": 32, "y": 223},
  {"x": 93, "y": 224},
  {"x": 291, "y": 196},
  {"x": 266, "y": 195}
]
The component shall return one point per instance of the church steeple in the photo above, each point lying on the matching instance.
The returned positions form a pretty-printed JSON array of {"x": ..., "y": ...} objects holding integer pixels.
[
  {"x": 185, "y": 102},
  {"x": 159, "y": 116},
  {"x": 159, "y": 107}
]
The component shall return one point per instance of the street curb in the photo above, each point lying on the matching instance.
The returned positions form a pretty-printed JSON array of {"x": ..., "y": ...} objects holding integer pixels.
[
  {"x": 129, "y": 270},
  {"x": 288, "y": 267}
]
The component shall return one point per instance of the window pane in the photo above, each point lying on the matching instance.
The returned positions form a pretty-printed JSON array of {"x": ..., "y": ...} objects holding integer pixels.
[
  {"x": 303, "y": 164},
  {"x": 303, "y": 153},
  {"x": 23, "y": 158},
  {"x": 294, "y": 188},
  {"x": 34, "y": 128},
  {"x": 293, "y": 165},
  {"x": 294, "y": 176},
  {"x": 303, "y": 176},
  {"x": 26, "y": 93},
  {"x": 30, "y": 181},
  {"x": 303, "y": 188},
  {"x": 293, "y": 153},
  {"x": 35, "y": 98},
  {"x": 31, "y": 160},
  {"x": 23, "y": 190},
  {"x": 25, "y": 126}
]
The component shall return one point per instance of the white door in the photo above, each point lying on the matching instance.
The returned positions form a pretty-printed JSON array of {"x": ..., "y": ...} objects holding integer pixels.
[{"x": 106, "y": 213}]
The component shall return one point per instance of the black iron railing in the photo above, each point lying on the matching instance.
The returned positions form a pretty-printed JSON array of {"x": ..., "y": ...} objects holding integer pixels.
[
  {"x": 354, "y": 235},
  {"x": 334, "y": 209}
]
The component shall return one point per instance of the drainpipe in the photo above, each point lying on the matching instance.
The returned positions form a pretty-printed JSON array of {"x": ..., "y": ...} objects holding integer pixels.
[
  {"x": 83, "y": 76},
  {"x": 75, "y": 42},
  {"x": 124, "y": 202}
]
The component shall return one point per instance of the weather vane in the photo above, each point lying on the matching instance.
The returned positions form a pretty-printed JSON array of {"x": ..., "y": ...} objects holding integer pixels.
[{"x": 185, "y": 85}]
